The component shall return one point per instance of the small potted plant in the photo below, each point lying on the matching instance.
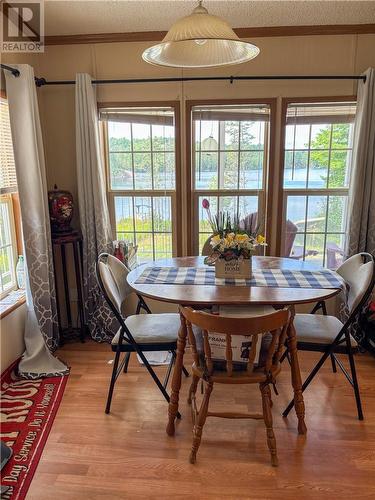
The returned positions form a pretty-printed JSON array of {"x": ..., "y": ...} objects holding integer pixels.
[{"x": 232, "y": 247}]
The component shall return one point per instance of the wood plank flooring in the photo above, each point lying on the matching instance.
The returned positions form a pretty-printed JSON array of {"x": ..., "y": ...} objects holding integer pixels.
[{"x": 127, "y": 454}]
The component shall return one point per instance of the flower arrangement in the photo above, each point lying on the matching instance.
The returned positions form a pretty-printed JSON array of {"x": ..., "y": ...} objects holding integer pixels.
[{"x": 229, "y": 241}]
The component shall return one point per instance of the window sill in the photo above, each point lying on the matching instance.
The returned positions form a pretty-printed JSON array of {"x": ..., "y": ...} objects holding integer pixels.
[{"x": 11, "y": 302}]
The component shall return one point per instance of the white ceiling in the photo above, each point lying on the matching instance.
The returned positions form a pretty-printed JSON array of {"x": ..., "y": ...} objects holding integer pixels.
[{"x": 72, "y": 17}]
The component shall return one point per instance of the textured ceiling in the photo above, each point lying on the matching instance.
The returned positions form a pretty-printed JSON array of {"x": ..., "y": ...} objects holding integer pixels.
[{"x": 72, "y": 17}]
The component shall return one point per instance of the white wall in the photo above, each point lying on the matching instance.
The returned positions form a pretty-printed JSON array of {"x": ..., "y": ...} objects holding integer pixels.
[{"x": 11, "y": 336}]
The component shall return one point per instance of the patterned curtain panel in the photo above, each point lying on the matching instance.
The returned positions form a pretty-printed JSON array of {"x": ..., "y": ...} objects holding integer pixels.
[
  {"x": 41, "y": 330},
  {"x": 93, "y": 208},
  {"x": 361, "y": 221}
]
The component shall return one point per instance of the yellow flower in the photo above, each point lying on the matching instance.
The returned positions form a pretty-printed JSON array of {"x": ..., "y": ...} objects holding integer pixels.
[
  {"x": 215, "y": 239},
  {"x": 260, "y": 239},
  {"x": 241, "y": 238}
]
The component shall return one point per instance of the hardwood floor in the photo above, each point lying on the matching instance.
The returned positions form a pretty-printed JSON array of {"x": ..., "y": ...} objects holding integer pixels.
[{"x": 127, "y": 454}]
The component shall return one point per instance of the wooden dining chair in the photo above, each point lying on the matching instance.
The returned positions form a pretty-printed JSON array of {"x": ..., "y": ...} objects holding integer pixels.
[
  {"x": 327, "y": 334},
  {"x": 137, "y": 333},
  {"x": 273, "y": 326}
]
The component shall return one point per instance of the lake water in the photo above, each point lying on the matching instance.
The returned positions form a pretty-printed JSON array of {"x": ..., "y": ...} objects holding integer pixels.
[{"x": 296, "y": 205}]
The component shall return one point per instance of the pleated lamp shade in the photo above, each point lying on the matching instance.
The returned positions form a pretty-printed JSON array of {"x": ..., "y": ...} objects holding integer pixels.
[{"x": 200, "y": 41}]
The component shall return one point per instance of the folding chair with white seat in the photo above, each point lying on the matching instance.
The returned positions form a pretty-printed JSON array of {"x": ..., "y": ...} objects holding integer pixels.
[
  {"x": 137, "y": 333},
  {"x": 327, "y": 334}
]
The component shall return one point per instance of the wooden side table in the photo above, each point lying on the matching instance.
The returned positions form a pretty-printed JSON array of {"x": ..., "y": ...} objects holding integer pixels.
[{"x": 62, "y": 240}]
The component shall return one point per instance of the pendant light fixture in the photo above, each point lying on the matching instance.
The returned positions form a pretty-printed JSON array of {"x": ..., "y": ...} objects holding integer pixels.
[
  {"x": 200, "y": 41},
  {"x": 209, "y": 143}
]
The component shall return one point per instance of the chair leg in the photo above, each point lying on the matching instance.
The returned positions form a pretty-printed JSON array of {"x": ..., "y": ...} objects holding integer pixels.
[
  {"x": 288, "y": 358},
  {"x": 284, "y": 355},
  {"x": 168, "y": 374},
  {"x": 333, "y": 363},
  {"x": 267, "y": 415},
  {"x": 312, "y": 374},
  {"x": 127, "y": 359},
  {"x": 112, "y": 383},
  {"x": 324, "y": 308},
  {"x": 193, "y": 388},
  {"x": 155, "y": 377},
  {"x": 184, "y": 370},
  {"x": 200, "y": 421},
  {"x": 354, "y": 376}
]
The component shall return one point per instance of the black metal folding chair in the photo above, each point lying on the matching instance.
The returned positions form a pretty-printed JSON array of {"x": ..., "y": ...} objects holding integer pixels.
[
  {"x": 138, "y": 333},
  {"x": 327, "y": 334}
]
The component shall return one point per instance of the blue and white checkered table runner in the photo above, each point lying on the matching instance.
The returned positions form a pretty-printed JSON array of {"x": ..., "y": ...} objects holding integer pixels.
[{"x": 274, "y": 278}]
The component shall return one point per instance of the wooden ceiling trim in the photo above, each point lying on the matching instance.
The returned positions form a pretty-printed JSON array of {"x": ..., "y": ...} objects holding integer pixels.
[{"x": 270, "y": 31}]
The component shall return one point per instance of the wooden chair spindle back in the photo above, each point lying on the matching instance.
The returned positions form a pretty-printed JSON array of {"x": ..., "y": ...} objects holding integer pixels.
[{"x": 276, "y": 324}]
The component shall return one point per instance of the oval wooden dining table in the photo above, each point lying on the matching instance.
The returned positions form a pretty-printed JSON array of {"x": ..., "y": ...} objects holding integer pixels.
[{"x": 207, "y": 295}]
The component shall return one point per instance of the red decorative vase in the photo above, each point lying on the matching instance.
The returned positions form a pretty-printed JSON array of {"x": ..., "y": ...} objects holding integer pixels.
[{"x": 61, "y": 206}]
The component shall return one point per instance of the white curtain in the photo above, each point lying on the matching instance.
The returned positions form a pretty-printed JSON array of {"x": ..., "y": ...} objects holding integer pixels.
[
  {"x": 361, "y": 220},
  {"x": 93, "y": 209},
  {"x": 41, "y": 330}
]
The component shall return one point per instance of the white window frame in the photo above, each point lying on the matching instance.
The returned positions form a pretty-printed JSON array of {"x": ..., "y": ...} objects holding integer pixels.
[
  {"x": 151, "y": 193},
  {"x": 7, "y": 200},
  {"x": 261, "y": 193}
]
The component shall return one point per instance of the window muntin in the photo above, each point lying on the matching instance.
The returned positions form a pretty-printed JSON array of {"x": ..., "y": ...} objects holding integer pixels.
[
  {"x": 317, "y": 161},
  {"x": 229, "y": 153},
  {"x": 147, "y": 221},
  {"x": 142, "y": 177}
]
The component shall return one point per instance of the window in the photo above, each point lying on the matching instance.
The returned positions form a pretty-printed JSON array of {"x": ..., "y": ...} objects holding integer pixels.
[
  {"x": 8, "y": 197},
  {"x": 230, "y": 147},
  {"x": 8, "y": 246},
  {"x": 317, "y": 160},
  {"x": 142, "y": 171}
]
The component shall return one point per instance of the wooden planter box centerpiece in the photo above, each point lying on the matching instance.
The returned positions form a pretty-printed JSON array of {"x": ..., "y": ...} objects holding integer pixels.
[{"x": 234, "y": 268}]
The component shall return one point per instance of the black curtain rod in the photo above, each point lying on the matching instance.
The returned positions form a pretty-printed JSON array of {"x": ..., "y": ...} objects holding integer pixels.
[
  {"x": 40, "y": 82},
  {"x": 14, "y": 71}
]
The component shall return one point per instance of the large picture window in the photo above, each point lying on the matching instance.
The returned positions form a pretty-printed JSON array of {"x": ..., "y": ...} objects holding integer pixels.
[
  {"x": 141, "y": 158},
  {"x": 317, "y": 160},
  {"x": 230, "y": 147}
]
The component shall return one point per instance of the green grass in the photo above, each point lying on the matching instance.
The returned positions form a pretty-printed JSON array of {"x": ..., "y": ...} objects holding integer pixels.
[{"x": 161, "y": 242}]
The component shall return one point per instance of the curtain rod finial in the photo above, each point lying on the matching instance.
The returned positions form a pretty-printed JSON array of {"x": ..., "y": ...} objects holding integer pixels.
[
  {"x": 39, "y": 82},
  {"x": 15, "y": 72}
]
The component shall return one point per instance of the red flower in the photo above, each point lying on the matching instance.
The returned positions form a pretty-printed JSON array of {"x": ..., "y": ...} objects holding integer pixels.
[
  {"x": 205, "y": 203},
  {"x": 372, "y": 306}
]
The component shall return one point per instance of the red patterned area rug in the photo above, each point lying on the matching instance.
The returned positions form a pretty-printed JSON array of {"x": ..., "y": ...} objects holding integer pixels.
[{"x": 28, "y": 409}]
